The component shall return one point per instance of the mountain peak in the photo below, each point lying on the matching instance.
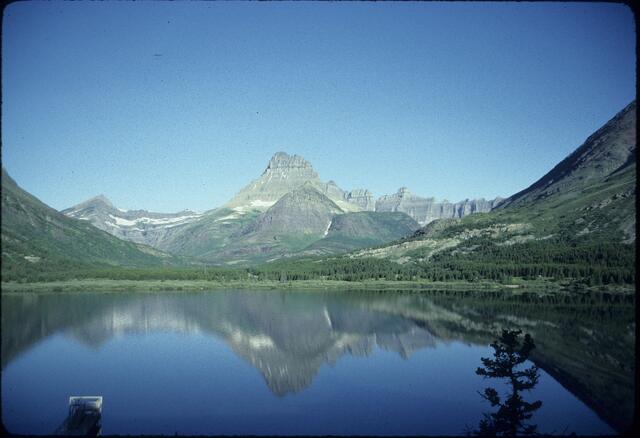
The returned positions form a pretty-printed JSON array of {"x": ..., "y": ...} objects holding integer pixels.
[
  {"x": 403, "y": 191},
  {"x": 100, "y": 199},
  {"x": 281, "y": 161},
  {"x": 283, "y": 174},
  {"x": 304, "y": 210},
  {"x": 100, "y": 205}
]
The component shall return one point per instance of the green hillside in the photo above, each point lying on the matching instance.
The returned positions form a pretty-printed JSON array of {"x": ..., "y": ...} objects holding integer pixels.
[
  {"x": 575, "y": 225},
  {"x": 304, "y": 222},
  {"x": 38, "y": 239},
  {"x": 296, "y": 220},
  {"x": 211, "y": 233},
  {"x": 362, "y": 229}
]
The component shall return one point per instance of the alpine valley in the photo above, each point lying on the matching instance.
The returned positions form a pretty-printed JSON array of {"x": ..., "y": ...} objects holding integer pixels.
[
  {"x": 289, "y": 219},
  {"x": 576, "y": 225},
  {"x": 556, "y": 260}
]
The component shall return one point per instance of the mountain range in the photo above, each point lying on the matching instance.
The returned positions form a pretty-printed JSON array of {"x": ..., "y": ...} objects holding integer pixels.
[
  {"x": 579, "y": 217},
  {"x": 288, "y": 211}
]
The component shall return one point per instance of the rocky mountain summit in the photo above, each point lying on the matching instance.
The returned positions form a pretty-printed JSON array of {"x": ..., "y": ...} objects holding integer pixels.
[
  {"x": 425, "y": 210},
  {"x": 138, "y": 226},
  {"x": 363, "y": 198},
  {"x": 283, "y": 174}
]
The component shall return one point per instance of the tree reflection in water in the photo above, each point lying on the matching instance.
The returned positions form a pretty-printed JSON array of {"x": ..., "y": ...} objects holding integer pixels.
[{"x": 513, "y": 411}]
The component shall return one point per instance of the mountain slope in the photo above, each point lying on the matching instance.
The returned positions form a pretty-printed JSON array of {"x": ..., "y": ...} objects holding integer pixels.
[
  {"x": 35, "y": 238},
  {"x": 283, "y": 174},
  {"x": 296, "y": 220},
  {"x": 607, "y": 151},
  {"x": 304, "y": 210},
  {"x": 138, "y": 226},
  {"x": 302, "y": 222},
  {"x": 577, "y": 224},
  {"x": 208, "y": 234},
  {"x": 358, "y": 230}
]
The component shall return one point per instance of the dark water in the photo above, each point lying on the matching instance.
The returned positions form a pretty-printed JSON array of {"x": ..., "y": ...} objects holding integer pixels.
[{"x": 239, "y": 362}]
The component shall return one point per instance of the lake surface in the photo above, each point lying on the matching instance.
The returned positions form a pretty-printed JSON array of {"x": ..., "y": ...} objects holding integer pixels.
[{"x": 282, "y": 362}]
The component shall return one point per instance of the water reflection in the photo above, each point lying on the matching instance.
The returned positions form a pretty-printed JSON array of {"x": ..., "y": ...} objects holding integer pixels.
[
  {"x": 513, "y": 411},
  {"x": 586, "y": 342}
]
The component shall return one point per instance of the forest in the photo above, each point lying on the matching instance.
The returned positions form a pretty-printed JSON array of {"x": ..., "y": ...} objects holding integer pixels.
[{"x": 592, "y": 264}]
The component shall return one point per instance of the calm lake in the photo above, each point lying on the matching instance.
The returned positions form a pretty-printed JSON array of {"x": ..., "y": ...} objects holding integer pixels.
[{"x": 283, "y": 362}]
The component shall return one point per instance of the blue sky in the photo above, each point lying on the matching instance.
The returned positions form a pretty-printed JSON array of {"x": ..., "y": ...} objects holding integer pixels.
[{"x": 174, "y": 105}]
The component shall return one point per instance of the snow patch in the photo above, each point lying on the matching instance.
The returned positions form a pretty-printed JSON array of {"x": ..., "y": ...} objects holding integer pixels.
[
  {"x": 168, "y": 220},
  {"x": 171, "y": 221},
  {"x": 121, "y": 221},
  {"x": 229, "y": 216},
  {"x": 327, "y": 230},
  {"x": 257, "y": 203},
  {"x": 260, "y": 203}
]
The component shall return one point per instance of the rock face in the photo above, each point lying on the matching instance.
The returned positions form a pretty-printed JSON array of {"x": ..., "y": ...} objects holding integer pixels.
[
  {"x": 363, "y": 198},
  {"x": 302, "y": 211},
  {"x": 283, "y": 174},
  {"x": 138, "y": 226},
  {"x": 425, "y": 210}
]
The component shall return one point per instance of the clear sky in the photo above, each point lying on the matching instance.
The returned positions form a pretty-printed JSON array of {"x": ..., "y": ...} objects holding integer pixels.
[{"x": 173, "y": 105}]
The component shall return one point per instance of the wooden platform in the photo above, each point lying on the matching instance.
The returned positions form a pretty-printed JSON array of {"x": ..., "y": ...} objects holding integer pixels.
[{"x": 84, "y": 418}]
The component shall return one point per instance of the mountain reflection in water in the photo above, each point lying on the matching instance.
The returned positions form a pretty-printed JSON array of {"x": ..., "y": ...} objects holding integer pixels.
[{"x": 586, "y": 341}]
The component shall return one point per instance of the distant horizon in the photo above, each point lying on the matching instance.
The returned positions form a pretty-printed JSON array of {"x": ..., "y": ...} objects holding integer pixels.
[{"x": 166, "y": 107}]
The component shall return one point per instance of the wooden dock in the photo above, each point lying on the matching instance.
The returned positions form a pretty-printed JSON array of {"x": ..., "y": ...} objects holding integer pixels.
[{"x": 84, "y": 418}]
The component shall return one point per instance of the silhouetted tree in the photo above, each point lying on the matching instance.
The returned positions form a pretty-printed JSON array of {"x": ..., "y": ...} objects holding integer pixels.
[{"x": 513, "y": 410}]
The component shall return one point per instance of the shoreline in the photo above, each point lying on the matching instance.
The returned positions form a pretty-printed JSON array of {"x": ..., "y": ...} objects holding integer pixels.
[{"x": 108, "y": 285}]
